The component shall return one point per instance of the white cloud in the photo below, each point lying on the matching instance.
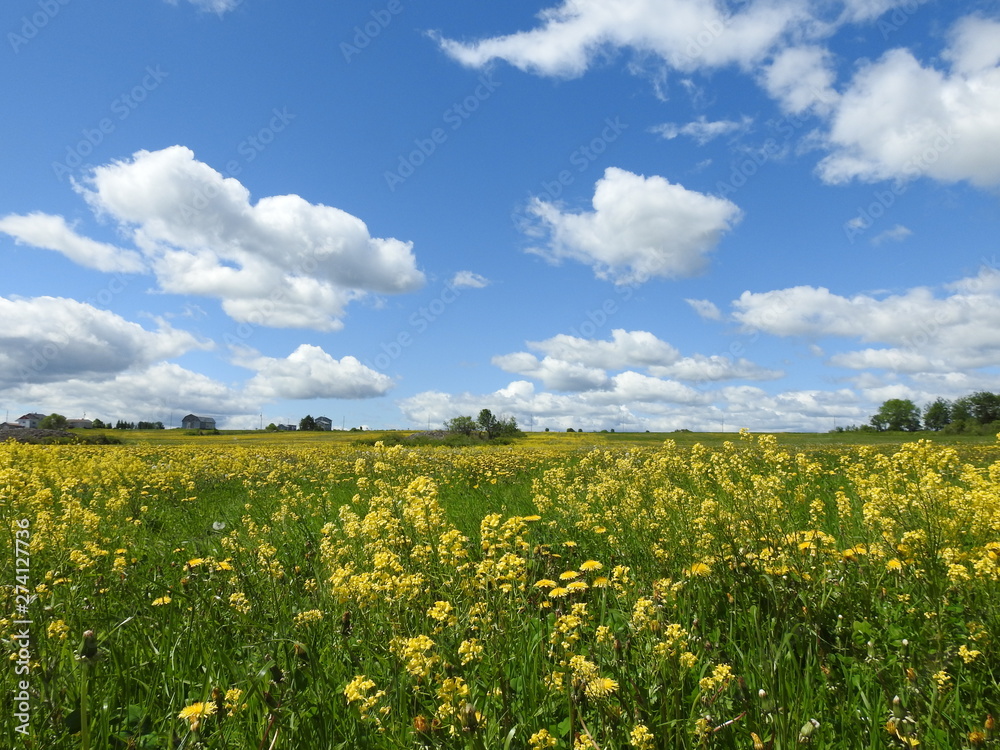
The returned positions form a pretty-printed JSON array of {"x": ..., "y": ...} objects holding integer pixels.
[
  {"x": 702, "y": 130},
  {"x": 900, "y": 120},
  {"x": 469, "y": 280},
  {"x": 923, "y": 332},
  {"x": 640, "y": 227},
  {"x": 705, "y": 309},
  {"x": 50, "y": 339},
  {"x": 975, "y": 45},
  {"x": 309, "y": 372},
  {"x": 801, "y": 79},
  {"x": 625, "y": 349},
  {"x": 700, "y": 368},
  {"x": 897, "y": 234},
  {"x": 867, "y": 10},
  {"x": 213, "y": 6},
  {"x": 554, "y": 373},
  {"x": 686, "y": 34},
  {"x": 637, "y": 402},
  {"x": 53, "y": 233},
  {"x": 281, "y": 261},
  {"x": 156, "y": 393}
]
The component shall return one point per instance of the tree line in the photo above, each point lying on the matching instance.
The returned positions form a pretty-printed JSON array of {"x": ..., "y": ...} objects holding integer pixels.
[
  {"x": 977, "y": 413},
  {"x": 486, "y": 425}
]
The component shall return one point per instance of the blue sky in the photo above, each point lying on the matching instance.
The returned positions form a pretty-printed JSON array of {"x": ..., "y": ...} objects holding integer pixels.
[{"x": 629, "y": 214}]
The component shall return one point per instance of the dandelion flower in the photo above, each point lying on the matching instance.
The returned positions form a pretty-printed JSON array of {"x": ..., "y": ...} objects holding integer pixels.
[
  {"x": 545, "y": 583},
  {"x": 195, "y": 713},
  {"x": 558, "y": 591},
  {"x": 576, "y": 586},
  {"x": 162, "y": 601},
  {"x": 602, "y": 687},
  {"x": 590, "y": 565},
  {"x": 568, "y": 575},
  {"x": 601, "y": 582},
  {"x": 699, "y": 569}
]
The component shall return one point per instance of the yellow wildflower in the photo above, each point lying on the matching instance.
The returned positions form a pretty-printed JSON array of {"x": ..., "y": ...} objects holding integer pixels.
[{"x": 195, "y": 713}]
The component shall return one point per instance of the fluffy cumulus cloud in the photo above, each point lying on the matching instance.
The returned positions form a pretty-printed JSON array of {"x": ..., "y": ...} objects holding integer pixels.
[
  {"x": 281, "y": 262},
  {"x": 309, "y": 372},
  {"x": 53, "y": 233},
  {"x": 625, "y": 349},
  {"x": 597, "y": 384},
  {"x": 51, "y": 339},
  {"x": 700, "y": 368},
  {"x": 899, "y": 119},
  {"x": 801, "y": 79},
  {"x": 162, "y": 392},
  {"x": 920, "y": 331},
  {"x": 686, "y": 34},
  {"x": 556, "y": 374},
  {"x": 637, "y": 403},
  {"x": 641, "y": 227}
]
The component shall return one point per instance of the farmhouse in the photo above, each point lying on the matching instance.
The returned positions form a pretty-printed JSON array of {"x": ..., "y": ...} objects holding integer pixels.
[
  {"x": 31, "y": 420},
  {"x": 81, "y": 424},
  {"x": 194, "y": 422},
  {"x": 323, "y": 423}
]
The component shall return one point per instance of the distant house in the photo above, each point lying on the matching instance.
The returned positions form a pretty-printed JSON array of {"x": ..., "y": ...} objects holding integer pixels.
[
  {"x": 287, "y": 427},
  {"x": 80, "y": 424},
  {"x": 194, "y": 422},
  {"x": 11, "y": 426},
  {"x": 323, "y": 423},
  {"x": 30, "y": 420}
]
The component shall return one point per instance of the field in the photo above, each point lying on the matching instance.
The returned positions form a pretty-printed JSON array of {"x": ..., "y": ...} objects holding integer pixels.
[{"x": 245, "y": 590}]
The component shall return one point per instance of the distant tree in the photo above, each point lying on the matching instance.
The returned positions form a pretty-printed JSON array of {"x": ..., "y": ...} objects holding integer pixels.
[
  {"x": 272, "y": 427},
  {"x": 961, "y": 409},
  {"x": 99, "y": 425},
  {"x": 985, "y": 407},
  {"x": 461, "y": 425},
  {"x": 53, "y": 422},
  {"x": 307, "y": 423},
  {"x": 570, "y": 429},
  {"x": 488, "y": 424},
  {"x": 897, "y": 414},
  {"x": 508, "y": 428},
  {"x": 937, "y": 415}
]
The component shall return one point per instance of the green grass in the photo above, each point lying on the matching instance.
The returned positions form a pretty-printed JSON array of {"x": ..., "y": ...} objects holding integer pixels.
[{"x": 752, "y": 590}]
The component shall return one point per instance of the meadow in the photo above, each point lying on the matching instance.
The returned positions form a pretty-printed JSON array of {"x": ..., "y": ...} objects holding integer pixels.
[{"x": 602, "y": 591}]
